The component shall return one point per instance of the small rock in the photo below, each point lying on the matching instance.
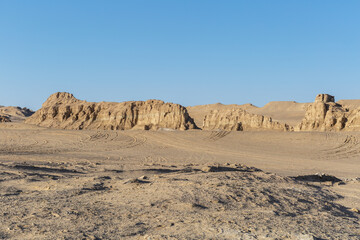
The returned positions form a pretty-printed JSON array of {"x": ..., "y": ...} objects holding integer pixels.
[
  {"x": 341, "y": 183},
  {"x": 355, "y": 210},
  {"x": 306, "y": 237},
  {"x": 136, "y": 180},
  {"x": 206, "y": 169}
]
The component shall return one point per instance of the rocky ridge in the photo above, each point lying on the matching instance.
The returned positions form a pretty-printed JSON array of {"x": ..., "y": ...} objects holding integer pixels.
[
  {"x": 15, "y": 113},
  {"x": 63, "y": 110},
  {"x": 239, "y": 120}
]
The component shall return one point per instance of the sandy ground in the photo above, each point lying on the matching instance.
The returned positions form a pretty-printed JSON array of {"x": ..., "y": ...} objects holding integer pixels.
[{"x": 63, "y": 184}]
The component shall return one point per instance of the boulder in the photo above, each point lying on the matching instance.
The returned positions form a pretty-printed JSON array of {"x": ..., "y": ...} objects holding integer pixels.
[{"x": 4, "y": 118}]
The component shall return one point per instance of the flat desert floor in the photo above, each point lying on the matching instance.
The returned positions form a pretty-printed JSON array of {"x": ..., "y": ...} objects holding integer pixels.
[{"x": 65, "y": 184}]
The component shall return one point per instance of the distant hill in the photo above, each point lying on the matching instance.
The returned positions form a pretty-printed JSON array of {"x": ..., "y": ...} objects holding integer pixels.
[
  {"x": 289, "y": 112},
  {"x": 16, "y": 113},
  {"x": 351, "y": 104}
]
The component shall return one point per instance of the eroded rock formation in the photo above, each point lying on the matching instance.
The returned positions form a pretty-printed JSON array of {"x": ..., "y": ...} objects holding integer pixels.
[
  {"x": 353, "y": 121},
  {"x": 4, "y": 118},
  {"x": 239, "y": 120},
  {"x": 15, "y": 113},
  {"x": 63, "y": 110},
  {"x": 326, "y": 115}
]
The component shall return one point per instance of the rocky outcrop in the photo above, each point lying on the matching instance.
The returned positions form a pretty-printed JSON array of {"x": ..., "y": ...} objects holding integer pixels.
[
  {"x": 326, "y": 115},
  {"x": 353, "y": 120},
  {"x": 199, "y": 112},
  {"x": 15, "y": 113},
  {"x": 63, "y": 110},
  {"x": 241, "y": 120},
  {"x": 4, "y": 119}
]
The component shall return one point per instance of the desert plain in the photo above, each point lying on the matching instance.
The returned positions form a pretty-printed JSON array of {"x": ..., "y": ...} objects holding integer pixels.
[{"x": 154, "y": 170}]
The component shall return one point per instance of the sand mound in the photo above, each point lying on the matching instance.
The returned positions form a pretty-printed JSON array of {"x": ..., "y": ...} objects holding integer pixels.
[
  {"x": 63, "y": 110},
  {"x": 326, "y": 115},
  {"x": 238, "y": 120},
  {"x": 15, "y": 113}
]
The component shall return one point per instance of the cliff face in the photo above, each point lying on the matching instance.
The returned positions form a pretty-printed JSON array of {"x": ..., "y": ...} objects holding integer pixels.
[
  {"x": 199, "y": 112},
  {"x": 239, "y": 120},
  {"x": 326, "y": 115},
  {"x": 63, "y": 110}
]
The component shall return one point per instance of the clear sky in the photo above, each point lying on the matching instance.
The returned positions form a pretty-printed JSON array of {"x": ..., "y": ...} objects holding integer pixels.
[{"x": 186, "y": 51}]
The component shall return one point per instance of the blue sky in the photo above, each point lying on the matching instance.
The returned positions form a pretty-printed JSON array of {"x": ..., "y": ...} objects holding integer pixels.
[{"x": 185, "y": 51}]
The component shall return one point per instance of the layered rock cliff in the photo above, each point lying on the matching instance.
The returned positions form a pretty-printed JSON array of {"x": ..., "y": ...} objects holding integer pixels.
[
  {"x": 326, "y": 115},
  {"x": 63, "y": 110},
  {"x": 241, "y": 120}
]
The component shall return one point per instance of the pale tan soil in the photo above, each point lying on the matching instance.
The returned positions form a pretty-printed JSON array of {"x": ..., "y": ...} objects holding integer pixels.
[{"x": 89, "y": 184}]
